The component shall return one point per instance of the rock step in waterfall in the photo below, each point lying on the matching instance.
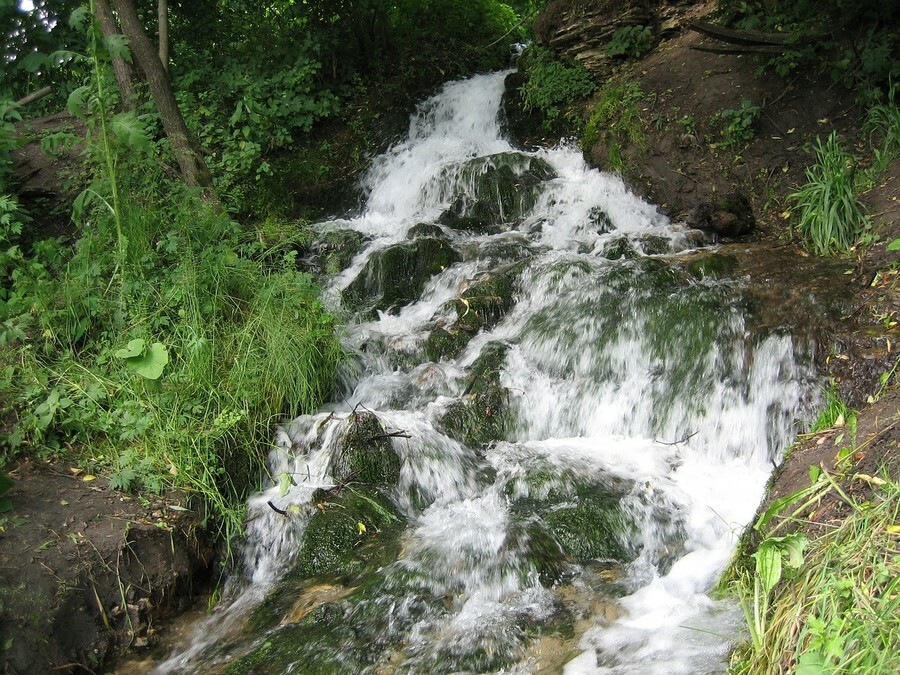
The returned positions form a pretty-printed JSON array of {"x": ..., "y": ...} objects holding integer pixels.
[{"x": 553, "y": 424}]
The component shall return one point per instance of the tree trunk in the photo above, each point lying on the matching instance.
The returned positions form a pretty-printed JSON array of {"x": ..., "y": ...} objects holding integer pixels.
[
  {"x": 187, "y": 153},
  {"x": 122, "y": 70},
  {"x": 163, "y": 21}
]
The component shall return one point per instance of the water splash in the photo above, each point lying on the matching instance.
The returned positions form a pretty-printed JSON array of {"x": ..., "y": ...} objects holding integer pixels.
[{"x": 636, "y": 400}]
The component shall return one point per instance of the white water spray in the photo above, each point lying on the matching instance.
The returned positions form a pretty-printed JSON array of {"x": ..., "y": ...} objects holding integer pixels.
[{"x": 626, "y": 380}]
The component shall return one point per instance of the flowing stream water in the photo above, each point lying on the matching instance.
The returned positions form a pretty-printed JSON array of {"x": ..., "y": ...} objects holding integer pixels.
[{"x": 618, "y": 440}]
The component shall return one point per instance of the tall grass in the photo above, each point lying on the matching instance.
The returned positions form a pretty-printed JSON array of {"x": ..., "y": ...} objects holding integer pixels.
[
  {"x": 840, "y": 613},
  {"x": 247, "y": 338},
  {"x": 830, "y": 218}
]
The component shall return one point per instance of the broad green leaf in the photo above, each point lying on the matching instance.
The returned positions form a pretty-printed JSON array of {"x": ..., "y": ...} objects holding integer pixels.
[
  {"x": 130, "y": 130},
  {"x": 34, "y": 62},
  {"x": 793, "y": 546},
  {"x": 285, "y": 481},
  {"x": 79, "y": 18},
  {"x": 77, "y": 102},
  {"x": 117, "y": 47},
  {"x": 151, "y": 363},
  {"x": 132, "y": 349},
  {"x": 768, "y": 564},
  {"x": 810, "y": 663},
  {"x": 894, "y": 245}
]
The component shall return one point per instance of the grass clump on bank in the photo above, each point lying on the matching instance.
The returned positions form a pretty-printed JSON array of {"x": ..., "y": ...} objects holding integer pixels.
[
  {"x": 838, "y": 609},
  {"x": 165, "y": 364}
]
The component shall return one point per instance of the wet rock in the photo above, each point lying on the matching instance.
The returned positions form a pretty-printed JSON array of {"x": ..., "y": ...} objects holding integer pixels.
[
  {"x": 480, "y": 306},
  {"x": 424, "y": 230},
  {"x": 525, "y": 127},
  {"x": 481, "y": 415},
  {"x": 503, "y": 188},
  {"x": 581, "y": 514},
  {"x": 334, "y": 250},
  {"x": 713, "y": 265},
  {"x": 731, "y": 216},
  {"x": 618, "y": 248},
  {"x": 349, "y": 530},
  {"x": 396, "y": 275},
  {"x": 366, "y": 454}
]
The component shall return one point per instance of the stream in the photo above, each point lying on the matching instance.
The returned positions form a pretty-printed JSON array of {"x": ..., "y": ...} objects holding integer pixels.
[{"x": 570, "y": 417}]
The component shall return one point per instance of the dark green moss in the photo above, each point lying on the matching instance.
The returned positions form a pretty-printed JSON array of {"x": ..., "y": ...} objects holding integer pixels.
[
  {"x": 713, "y": 265},
  {"x": 334, "y": 250},
  {"x": 505, "y": 187},
  {"x": 588, "y": 528},
  {"x": 424, "y": 230},
  {"x": 321, "y": 643},
  {"x": 366, "y": 454},
  {"x": 347, "y": 532},
  {"x": 481, "y": 415},
  {"x": 446, "y": 343},
  {"x": 396, "y": 275}
]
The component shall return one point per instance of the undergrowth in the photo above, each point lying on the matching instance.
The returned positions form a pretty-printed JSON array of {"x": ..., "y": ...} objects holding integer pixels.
[{"x": 616, "y": 121}]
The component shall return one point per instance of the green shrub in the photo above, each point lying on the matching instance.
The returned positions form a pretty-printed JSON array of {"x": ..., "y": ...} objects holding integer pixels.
[
  {"x": 830, "y": 218},
  {"x": 737, "y": 124},
  {"x": 616, "y": 121},
  {"x": 632, "y": 42},
  {"x": 553, "y": 85}
]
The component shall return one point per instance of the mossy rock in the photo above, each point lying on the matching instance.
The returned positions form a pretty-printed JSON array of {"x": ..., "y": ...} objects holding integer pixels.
[
  {"x": 424, "y": 230},
  {"x": 335, "y": 249},
  {"x": 340, "y": 538},
  {"x": 446, "y": 343},
  {"x": 503, "y": 188},
  {"x": 653, "y": 244},
  {"x": 588, "y": 528},
  {"x": 396, "y": 275},
  {"x": 486, "y": 301},
  {"x": 713, "y": 265},
  {"x": 321, "y": 643},
  {"x": 480, "y": 306},
  {"x": 618, "y": 248},
  {"x": 481, "y": 415},
  {"x": 366, "y": 454}
]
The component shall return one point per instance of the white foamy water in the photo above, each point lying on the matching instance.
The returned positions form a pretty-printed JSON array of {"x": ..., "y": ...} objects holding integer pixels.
[{"x": 627, "y": 383}]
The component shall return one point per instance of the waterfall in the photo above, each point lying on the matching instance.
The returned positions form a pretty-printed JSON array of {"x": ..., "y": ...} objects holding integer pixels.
[{"x": 572, "y": 472}]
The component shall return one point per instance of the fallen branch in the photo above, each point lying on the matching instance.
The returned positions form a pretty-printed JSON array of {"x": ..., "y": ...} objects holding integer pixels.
[
  {"x": 32, "y": 97},
  {"x": 740, "y": 37},
  {"x": 746, "y": 49}
]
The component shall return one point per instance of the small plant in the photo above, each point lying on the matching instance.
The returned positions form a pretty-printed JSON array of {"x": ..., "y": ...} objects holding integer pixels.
[
  {"x": 883, "y": 126},
  {"x": 616, "y": 121},
  {"x": 553, "y": 85},
  {"x": 830, "y": 218},
  {"x": 632, "y": 42},
  {"x": 737, "y": 124}
]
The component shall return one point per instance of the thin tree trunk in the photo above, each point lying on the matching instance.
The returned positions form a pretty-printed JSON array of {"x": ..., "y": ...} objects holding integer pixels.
[
  {"x": 187, "y": 153},
  {"x": 122, "y": 70},
  {"x": 163, "y": 21}
]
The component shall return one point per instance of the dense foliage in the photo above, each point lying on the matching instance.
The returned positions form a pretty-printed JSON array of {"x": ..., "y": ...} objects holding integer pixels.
[{"x": 163, "y": 341}]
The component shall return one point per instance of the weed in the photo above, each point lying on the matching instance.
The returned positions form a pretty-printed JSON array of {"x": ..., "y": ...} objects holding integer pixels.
[
  {"x": 737, "y": 124},
  {"x": 632, "y": 42},
  {"x": 553, "y": 85},
  {"x": 830, "y": 218},
  {"x": 616, "y": 121}
]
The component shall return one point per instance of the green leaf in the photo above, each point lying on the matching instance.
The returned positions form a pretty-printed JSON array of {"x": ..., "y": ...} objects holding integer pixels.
[
  {"x": 134, "y": 348},
  {"x": 793, "y": 546},
  {"x": 810, "y": 663},
  {"x": 79, "y": 18},
  {"x": 285, "y": 481},
  {"x": 151, "y": 364},
  {"x": 768, "y": 564},
  {"x": 130, "y": 130},
  {"x": 894, "y": 245},
  {"x": 77, "y": 102},
  {"x": 34, "y": 62},
  {"x": 117, "y": 47},
  {"x": 5, "y": 482}
]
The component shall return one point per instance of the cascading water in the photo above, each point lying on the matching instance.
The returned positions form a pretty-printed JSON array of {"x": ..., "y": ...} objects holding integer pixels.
[{"x": 575, "y": 427}]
